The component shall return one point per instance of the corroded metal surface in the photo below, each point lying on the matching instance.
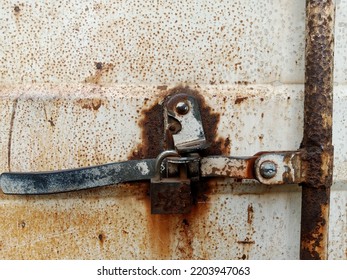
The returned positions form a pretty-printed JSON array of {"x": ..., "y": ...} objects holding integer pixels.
[
  {"x": 314, "y": 223},
  {"x": 186, "y": 127},
  {"x": 66, "y": 125},
  {"x": 171, "y": 197},
  {"x": 157, "y": 42},
  {"x": 287, "y": 168},
  {"x": 116, "y": 222},
  {"x": 221, "y": 166},
  {"x": 317, "y": 140},
  {"x": 229, "y": 220}
]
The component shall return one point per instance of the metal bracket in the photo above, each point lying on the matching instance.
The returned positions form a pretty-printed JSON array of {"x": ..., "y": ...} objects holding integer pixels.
[
  {"x": 184, "y": 123},
  {"x": 279, "y": 168}
]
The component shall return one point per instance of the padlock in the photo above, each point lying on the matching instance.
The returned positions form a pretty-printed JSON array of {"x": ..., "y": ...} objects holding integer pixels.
[{"x": 170, "y": 195}]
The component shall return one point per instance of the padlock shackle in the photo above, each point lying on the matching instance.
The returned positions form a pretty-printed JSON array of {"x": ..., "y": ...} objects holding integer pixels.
[{"x": 159, "y": 160}]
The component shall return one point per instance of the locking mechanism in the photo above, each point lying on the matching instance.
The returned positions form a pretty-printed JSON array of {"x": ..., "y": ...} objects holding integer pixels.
[
  {"x": 171, "y": 195},
  {"x": 170, "y": 191},
  {"x": 174, "y": 170}
]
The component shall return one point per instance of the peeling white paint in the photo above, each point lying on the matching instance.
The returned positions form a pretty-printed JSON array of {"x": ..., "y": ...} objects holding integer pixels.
[
  {"x": 54, "y": 55},
  {"x": 143, "y": 168}
]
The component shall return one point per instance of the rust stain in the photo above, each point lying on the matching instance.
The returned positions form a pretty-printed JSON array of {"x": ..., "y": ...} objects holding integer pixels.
[
  {"x": 98, "y": 65},
  {"x": 317, "y": 140},
  {"x": 162, "y": 87},
  {"x": 246, "y": 241},
  {"x": 101, "y": 238},
  {"x": 91, "y": 103},
  {"x": 143, "y": 61},
  {"x": 319, "y": 91},
  {"x": 249, "y": 167},
  {"x": 237, "y": 66},
  {"x": 62, "y": 230},
  {"x": 16, "y": 9},
  {"x": 239, "y": 100},
  {"x": 152, "y": 126},
  {"x": 227, "y": 147},
  {"x": 314, "y": 222},
  {"x": 102, "y": 69},
  {"x": 173, "y": 234},
  {"x": 191, "y": 223},
  {"x": 160, "y": 230},
  {"x": 250, "y": 214},
  {"x": 164, "y": 228},
  {"x": 244, "y": 83},
  {"x": 261, "y": 138},
  {"x": 186, "y": 238},
  {"x": 327, "y": 165},
  {"x": 22, "y": 224},
  {"x": 246, "y": 246},
  {"x": 49, "y": 120}
]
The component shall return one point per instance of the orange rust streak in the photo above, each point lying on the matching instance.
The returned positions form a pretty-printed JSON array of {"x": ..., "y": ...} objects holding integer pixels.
[
  {"x": 239, "y": 100},
  {"x": 91, "y": 104},
  {"x": 171, "y": 236},
  {"x": 246, "y": 242},
  {"x": 102, "y": 69},
  {"x": 250, "y": 214}
]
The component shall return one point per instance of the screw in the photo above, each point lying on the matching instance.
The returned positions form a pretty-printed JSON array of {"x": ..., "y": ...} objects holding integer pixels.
[
  {"x": 268, "y": 169},
  {"x": 182, "y": 107}
]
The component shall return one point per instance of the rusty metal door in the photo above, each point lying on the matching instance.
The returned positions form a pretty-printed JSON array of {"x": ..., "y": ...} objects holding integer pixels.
[{"x": 81, "y": 84}]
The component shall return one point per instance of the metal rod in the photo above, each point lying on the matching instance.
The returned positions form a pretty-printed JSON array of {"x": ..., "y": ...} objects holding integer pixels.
[{"x": 317, "y": 140}]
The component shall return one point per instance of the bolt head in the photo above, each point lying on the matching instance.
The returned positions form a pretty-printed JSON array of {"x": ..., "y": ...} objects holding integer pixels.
[
  {"x": 182, "y": 107},
  {"x": 268, "y": 169}
]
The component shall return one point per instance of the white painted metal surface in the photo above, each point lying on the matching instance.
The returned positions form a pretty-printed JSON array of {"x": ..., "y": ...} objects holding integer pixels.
[{"x": 74, "y": 77}]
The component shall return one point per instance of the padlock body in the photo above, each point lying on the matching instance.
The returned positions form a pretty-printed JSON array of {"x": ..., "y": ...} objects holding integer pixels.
[{"x": 170, "y": 196}]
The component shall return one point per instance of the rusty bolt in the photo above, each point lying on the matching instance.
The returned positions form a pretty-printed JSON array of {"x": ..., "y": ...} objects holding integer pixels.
[
  {"x": 182, "y": 107},
  {"x": 268, "y": 169}
]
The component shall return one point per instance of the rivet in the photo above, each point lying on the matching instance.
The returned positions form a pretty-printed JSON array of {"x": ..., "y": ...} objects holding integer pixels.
[
  {"x": 182, "y": 107},
  {"x": 268, "y": 169}
]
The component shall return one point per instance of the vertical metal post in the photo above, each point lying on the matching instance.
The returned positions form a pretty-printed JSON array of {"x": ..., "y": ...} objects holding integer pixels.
[{"x": 317, "y": 140}]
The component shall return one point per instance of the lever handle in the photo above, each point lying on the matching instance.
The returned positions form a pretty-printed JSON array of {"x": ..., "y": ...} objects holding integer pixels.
[{"x": 77, "y": 179}]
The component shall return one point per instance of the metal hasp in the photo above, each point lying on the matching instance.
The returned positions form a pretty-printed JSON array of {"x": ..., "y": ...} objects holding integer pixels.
[
  {"x": 178, "y": 168},
  {"x": 184, "y": 124},
  {"x": 317, "y": 140},
  {"x": 171, "y": 191}
]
